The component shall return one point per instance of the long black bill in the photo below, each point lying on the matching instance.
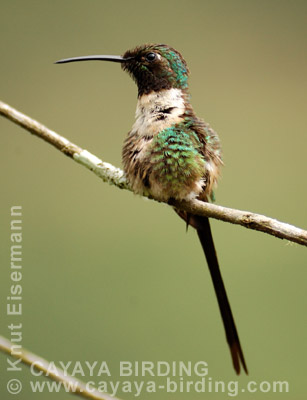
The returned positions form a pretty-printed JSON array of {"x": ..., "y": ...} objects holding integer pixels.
[{"x": 95, "y": 58}]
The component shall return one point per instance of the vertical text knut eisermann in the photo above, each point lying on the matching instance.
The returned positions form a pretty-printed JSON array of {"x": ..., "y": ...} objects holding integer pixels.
[{"x": 14, "y": 298}]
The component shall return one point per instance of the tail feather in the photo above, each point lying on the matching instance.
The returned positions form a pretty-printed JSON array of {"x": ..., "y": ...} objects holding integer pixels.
[{"x": 201, "y": 224}]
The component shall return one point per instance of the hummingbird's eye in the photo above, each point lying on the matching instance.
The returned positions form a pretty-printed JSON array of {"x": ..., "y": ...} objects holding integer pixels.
[{"x": 150, "y": 57}]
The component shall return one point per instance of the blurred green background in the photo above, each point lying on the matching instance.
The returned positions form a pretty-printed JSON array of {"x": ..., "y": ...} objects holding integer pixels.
[{"x": 109, "y": 276}]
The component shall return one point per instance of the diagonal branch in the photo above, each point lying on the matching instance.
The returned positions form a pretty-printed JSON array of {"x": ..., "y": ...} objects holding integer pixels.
[
  {"x": 39, "y": 364},
  {"x": 115, "y": 176}
]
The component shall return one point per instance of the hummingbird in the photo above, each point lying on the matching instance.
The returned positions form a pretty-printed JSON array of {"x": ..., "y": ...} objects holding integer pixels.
[{"x": 171, "y": 154}]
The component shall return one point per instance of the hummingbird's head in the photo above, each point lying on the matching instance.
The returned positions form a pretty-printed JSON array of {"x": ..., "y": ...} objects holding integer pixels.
[
  {"x": 155, "y": 67},
  {"x": 152, "y": 66}
]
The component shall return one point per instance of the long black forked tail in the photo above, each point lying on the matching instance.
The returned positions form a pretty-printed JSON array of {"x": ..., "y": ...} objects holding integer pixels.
[{"x": 205, "y": 236}]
